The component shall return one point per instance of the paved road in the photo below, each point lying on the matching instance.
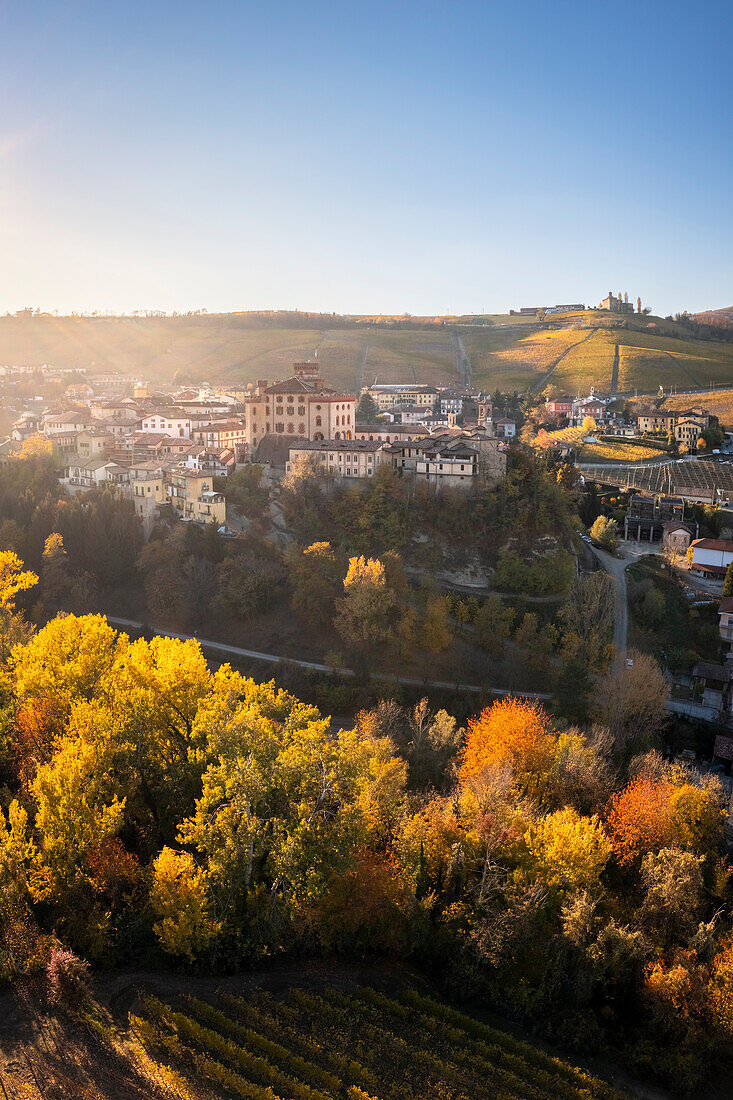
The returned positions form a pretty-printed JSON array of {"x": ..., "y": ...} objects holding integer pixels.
[
  {"x": 463, "y": 363},
  {"x": 616, "y": 568},
  {"x": 272, "y": 658}
]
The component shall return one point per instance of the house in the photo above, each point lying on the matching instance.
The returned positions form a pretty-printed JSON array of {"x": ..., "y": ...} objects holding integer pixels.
[
  {"x": 301, "y": 407},
  {"x": 413, "y": 414},
  {"x": 711, "y": 557},
  {"x": 453, "y": 459},
  {"x": 70, "y": 420},
  {"x": 451, "y": 401},
  {"x": 505, "y": 428},
  {"x": 172, "y": 421},
  {"x": 93, "y": 443},
  {"x": 219, "y": 434},
  {"x": 192, "y": 494},
  {"x": 617, "y": 305},
  {"x": 27, "y": 425},
  {"x": 96, "y": 474},
  {"x": 387, "y": 396},
  {"x": 686, "y": 432},
  {"x": 218, "y": 462},
  {"x": 725, "y": 625},
  {"x": 389, "y": 433},
  {"x": 713, "y": 685},
  {"x": 355, "y": 458},
  {"x": 592, "y": 405},
  {"x": 559, "y": 406},
  {"x": 677, "y": 536},
  {"x": 147, "y": 490}
]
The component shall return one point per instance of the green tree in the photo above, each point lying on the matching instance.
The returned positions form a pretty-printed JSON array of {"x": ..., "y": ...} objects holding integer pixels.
[
  {"x": 728, "y": 582},
  {"x": 493, "y": 624},
  {"x": 366, "y": 410}
]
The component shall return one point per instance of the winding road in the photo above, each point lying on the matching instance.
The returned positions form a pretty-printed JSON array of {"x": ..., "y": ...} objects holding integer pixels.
[
  {"x": 616, "y": 568},
  {"x": 273, "y": 658}
]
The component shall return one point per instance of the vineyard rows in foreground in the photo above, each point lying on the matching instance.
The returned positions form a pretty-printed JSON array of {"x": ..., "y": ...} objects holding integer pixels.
[{"x": 351, "y": 1046}]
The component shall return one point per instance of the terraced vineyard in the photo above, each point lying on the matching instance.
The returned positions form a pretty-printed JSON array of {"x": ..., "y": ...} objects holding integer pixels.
[{"x": 339, "y": 1046}]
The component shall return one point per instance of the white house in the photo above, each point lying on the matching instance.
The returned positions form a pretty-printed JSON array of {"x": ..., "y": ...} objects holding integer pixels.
[
  {"x": 172, "y": 421},
  {"x": 711, "y": 557}
]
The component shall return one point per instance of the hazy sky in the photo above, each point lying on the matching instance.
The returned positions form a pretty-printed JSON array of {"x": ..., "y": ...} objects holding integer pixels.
[{"x": 364, "y": 157}]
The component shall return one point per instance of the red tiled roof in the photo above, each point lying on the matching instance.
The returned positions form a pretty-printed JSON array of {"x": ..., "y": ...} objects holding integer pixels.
[{"x": 714, "y": 544}]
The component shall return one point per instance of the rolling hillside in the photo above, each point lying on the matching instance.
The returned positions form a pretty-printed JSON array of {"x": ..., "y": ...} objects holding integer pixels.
[{"x": 570, "y": 351}]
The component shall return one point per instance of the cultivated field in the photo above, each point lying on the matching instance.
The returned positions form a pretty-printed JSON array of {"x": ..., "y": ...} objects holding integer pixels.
[
  {"x": 718, "y": 402},
  {"x": 339, "y": 1046},
  {"x": 574, "y": 351},
  {"x": 618, "y": 451}
]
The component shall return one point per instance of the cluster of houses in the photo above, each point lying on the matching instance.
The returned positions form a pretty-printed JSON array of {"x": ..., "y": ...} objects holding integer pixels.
[
  {"x": 431, "y": 407},
  {"x": 157, "y": 450},
  {"x": 164, "y": 449},
  {"x": 685, "y": 426}
]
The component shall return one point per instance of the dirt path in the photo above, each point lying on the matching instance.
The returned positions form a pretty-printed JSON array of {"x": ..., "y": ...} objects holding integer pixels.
[{"x": 614, "y": 372}]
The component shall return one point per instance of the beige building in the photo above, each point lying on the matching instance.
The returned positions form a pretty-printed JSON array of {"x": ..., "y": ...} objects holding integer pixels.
[
  {"x": 223, "y": 433},
  {"x": 687, "y": 431},
  {"x": 93, "y": 443},
  {"x": 454, "y": 459},
  {"x": 356, "y": 458},
  {"x": 147, "y": 490},
  {"x": 301, "y": 406},
  {"x": 386, "y": 397},
  {"x": 192, "y": 494}
]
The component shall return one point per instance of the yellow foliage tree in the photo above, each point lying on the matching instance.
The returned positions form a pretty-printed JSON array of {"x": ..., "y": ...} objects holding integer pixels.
[
  {"x": 13, "y": 579},
  {"x": 36, "y": 446},
  {"x": 78, "y": 797},
  {"x": 179, "y": 897},
  {"x": 566, "y": 850}
]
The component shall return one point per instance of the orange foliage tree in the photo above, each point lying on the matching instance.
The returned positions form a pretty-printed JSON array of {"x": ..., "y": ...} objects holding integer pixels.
[
  {"x": 652, "y": 813},
  {"x": 513, "y": 731}
]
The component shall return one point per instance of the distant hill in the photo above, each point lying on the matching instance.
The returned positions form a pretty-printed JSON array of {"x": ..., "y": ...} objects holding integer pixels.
[
  {"x": 571, "y": 351},
  {"x": 715, "y": 316}
]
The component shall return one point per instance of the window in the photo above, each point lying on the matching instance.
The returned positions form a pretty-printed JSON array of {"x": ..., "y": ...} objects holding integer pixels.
[
  {"x": 301, "y": 410},
  {"x": 301, "y": 429},
  {"x": 291, "y": 429},
  {"x": 330, "y": 458},
  {"x": 318, "y": 420},
  {"x": 291, "y": 410}
]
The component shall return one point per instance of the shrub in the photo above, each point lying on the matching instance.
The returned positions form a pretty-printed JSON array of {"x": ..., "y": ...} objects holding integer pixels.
[{"x": 67, "y": 976}]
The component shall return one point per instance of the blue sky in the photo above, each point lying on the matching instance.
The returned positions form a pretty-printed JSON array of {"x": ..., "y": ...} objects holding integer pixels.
[{"x": 364, "y": 157}]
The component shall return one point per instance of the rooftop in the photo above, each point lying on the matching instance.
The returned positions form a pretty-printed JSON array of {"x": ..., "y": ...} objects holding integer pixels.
[{"x": 365, "y": 445}]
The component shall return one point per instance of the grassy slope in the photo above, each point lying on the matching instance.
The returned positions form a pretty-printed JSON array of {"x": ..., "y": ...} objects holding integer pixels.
[{"x": 577, "y": 348}]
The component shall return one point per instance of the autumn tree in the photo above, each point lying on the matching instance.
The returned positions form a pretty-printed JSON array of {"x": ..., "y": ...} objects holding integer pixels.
[
  {"x": 436, "y": 629},
  {"x": 663, "y": 810},
  {"x": 514, "y": 732},
  {"x": 587, "y": 619},
  {"x": 54, "y": 569},
  {"x": 314, "y": 575},
  {"x": 493, "y": 624},
  {"x": 567, "y": 851},
  {"x": 366, "y": 614},
  {"x": 604, "y": 533},
  {"x": 179, "y": 899},
  {"x": 631, "y": 701},
  {"x": 36, "y": 446}
]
